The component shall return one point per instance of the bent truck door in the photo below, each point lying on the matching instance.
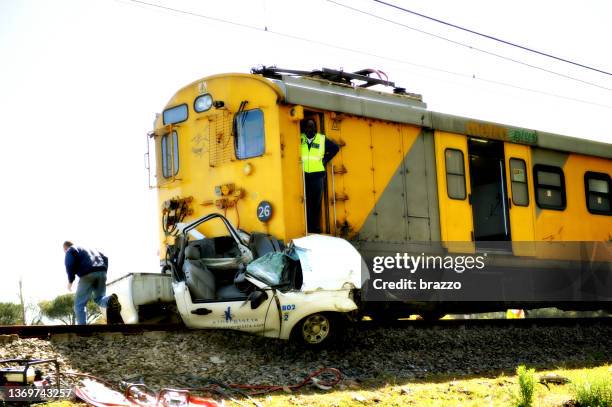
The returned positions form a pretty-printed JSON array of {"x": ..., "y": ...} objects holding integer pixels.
[
  {"x": 456, "y": 224},
  {"x": 231, "y": 313}
]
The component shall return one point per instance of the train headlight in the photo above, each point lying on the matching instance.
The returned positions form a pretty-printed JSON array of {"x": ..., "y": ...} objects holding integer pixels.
[{"x": 203, "y": 102}]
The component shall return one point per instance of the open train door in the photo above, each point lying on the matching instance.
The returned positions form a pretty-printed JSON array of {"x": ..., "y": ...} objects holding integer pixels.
[
  {"x": 520, "y": 188},
  {"x": 324, "y": 215},
  {"x": 456, "y": 223}
]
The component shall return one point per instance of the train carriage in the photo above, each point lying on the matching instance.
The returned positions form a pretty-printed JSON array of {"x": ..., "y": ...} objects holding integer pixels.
[{"x": 406, "y": 179}]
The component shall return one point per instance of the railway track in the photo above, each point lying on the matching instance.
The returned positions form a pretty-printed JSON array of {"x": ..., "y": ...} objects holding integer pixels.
[
  {"x": 46, "y": 331},
  {"x": 523, "y": 323}
]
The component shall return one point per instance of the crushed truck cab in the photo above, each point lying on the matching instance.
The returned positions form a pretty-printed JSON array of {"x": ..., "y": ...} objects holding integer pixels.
[{"x": 252, "y": 283}]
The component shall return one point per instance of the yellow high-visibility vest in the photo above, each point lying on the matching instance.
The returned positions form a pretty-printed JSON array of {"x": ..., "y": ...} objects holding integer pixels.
[{"x": 312, "y": 158}]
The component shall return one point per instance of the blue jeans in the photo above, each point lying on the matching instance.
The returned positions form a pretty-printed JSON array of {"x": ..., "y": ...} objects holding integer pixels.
[{"x": 92, "y": 283}]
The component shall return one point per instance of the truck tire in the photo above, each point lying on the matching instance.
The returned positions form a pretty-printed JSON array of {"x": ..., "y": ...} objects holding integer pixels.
[{"x": 317, "y": 330}]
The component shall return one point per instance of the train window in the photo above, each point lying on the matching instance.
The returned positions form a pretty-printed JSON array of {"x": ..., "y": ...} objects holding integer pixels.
[
  {"x": 175, "y": 152},
  {"x": 549, "y": 185},
  {"x": 598, "y": 192},
  {"x": 169, "y": 155},
  {"x": 250, "y": 140},
  {"x": 518, "y": 179},
  {"x": 455, "y": 174},
  {"x": 176, "y": 114}
]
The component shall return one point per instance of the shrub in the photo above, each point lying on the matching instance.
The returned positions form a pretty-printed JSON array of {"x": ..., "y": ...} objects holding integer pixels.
[
  {"x": 526, "y": 382},
  {"x": 10, "y": 314},
  {"x": 595, "y": 390}
]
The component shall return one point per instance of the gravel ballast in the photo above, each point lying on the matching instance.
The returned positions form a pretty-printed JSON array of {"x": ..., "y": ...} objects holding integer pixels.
[{"x": 364, "y": 352}]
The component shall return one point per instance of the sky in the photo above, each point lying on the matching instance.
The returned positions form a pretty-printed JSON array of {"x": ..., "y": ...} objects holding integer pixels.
[{"x": 81, "y": 82}]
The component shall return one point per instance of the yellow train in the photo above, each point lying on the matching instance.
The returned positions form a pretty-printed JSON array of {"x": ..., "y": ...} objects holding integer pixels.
[{"x": 404, "y": 176}]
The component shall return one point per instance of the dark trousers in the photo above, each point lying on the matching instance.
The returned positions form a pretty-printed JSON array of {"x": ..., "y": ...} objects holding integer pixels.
[{"x": 315, "y": 182}]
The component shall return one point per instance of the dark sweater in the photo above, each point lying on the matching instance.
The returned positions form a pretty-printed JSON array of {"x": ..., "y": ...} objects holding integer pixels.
[{"x": 80, "y": 261}]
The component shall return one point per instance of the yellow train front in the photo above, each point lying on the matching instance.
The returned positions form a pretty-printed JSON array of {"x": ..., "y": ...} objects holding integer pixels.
[{"x": 405, "y": 177}]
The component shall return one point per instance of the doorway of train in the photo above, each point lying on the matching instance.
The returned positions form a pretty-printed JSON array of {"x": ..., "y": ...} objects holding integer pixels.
[
  {"x": 323, "y": 226},
  {"x": 489, "y": 195}
]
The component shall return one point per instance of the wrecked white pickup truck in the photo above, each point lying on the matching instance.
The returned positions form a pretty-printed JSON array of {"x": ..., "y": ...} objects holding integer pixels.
[{"x": 251, "y": 283}]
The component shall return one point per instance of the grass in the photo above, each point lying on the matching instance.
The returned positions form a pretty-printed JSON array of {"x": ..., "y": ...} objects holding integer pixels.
[
  {"x": 443, "y": 390},
  {"x": 594, "y": 390}
]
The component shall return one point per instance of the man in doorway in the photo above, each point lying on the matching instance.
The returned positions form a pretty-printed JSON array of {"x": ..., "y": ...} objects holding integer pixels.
[
  {"x": 90, "y": 266},
  {"x": 317, "y": 150}
]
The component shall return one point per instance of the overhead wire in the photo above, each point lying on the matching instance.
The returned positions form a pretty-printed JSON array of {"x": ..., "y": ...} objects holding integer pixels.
[
  {"x": 356, "y": 51},
  {"x": 440, "y": 37},
  {"x": 291, "y": 36},
  {"x": 545, "y": 54}
]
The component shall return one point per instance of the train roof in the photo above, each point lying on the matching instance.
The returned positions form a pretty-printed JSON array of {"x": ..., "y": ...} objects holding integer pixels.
[{"x": 401, "y": 107}]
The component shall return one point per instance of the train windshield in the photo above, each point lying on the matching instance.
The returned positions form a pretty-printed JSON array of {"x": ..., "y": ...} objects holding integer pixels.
[
  {"x": 250, "y": 141},
  {"x": 175, "y": 114}
]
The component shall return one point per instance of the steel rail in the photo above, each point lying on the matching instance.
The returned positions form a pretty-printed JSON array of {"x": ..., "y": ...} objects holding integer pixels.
[
  {"x": 46, "y": 331},
  {"x": 483, "y": 323}
]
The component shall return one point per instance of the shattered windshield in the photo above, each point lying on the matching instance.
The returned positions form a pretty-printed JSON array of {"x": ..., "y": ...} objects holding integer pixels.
[{"x": 268, "y": 268}]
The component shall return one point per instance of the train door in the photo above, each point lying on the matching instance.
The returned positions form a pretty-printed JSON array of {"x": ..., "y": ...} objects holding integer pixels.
[
  {"x": 489, "y": 197},
  {"x": 456, "y": 226},
  {"x": 520, "y": 188},
  {"x": 324, "y": 214}
]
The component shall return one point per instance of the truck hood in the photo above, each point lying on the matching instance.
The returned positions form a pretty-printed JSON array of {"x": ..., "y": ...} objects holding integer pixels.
[{"x": 329, "y": 263}]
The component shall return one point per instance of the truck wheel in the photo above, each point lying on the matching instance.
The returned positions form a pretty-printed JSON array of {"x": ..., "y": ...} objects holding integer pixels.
[{"x": 317, "y": 329}]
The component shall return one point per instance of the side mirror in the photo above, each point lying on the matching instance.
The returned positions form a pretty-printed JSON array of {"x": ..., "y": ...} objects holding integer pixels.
[{"x": 256, "y": 298}]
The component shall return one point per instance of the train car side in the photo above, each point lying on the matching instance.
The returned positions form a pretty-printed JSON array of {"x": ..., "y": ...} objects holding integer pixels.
[{"x": 405, "y": 179}]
